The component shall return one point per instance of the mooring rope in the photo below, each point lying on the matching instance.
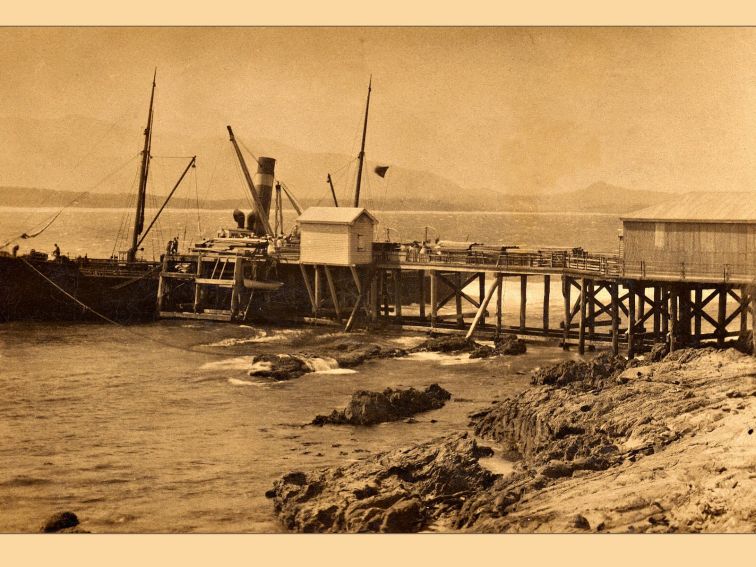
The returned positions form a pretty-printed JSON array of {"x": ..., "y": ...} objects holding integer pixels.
[{"x": 123, "y": 327}]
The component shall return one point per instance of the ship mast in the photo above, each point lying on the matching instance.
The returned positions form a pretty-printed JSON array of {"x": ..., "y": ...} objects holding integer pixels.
[
  {"x": 143, "y": 174},
  {"x": 362, "y": 148}
]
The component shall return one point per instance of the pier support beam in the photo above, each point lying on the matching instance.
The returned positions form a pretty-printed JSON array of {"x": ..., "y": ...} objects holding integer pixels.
[
  {"x": 753, "y": 317},
  {"x": 631, "y": 322},
  {"x": 672, "y": 320},
  {"x": 434, "y": 298},
  {"x": 318, "y": 291},
  {"x": 332, "y": 289},
  {"x": 581, "y": 329},
  {"x": 421, "y": 281},
  {"x": 722, "y": 316},
  {"x": 523, "y": 301},
  {"x": 481, "y": 310},
  {"x": 482, "y": 293},
  {"x": 657, "y": 313},
  {"x": 614, "y": 290},
  {"x": 499, "y": 299},
  {"x": 458, "y": 300},
  {"x": 546, "y": 299},
  {"x": 744, "y": 301},
  {"x": 566, "y": 292},
  {"x": 591, "y": 297},
  {"x": 398, "y": 295}
]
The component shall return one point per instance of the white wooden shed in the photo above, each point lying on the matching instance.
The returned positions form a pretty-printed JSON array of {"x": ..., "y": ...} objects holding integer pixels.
[{"x": 336, "y": 236}]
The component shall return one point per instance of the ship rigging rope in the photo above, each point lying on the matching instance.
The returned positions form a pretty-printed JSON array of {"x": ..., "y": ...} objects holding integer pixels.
[
  {"x": 71, "y": 203},
  {"x": 124, "y": 327}
]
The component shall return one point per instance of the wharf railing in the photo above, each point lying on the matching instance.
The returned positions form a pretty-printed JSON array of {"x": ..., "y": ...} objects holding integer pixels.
[{"x": 541, "y": 260}]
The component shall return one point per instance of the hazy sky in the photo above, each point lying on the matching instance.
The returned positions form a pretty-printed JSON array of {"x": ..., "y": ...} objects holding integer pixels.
[{"x": 515, "y": 110}]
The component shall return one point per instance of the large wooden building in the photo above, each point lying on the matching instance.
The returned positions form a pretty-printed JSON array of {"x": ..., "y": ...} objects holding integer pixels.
[
  {"x": 706, "y": 237},
  {"x": 336, "y": 236}
]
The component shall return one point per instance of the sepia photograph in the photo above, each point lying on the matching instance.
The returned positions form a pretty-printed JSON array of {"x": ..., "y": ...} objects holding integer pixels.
[{"x": 377, "y": 280}]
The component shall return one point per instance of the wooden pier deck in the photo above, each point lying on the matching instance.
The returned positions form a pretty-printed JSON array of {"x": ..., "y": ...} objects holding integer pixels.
[{"x": 465, "y": 292}]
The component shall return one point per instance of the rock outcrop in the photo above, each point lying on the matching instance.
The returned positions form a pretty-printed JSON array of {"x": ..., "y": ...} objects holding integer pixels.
[
  {"x": 342, "y": 354},
  {"x": 654, "y": 424},
  {"x": 601, "y": 446},
  {"x": 369, "y": 408},
  {"x": 399, "y": 491},
  {"x": 62, "y": 523},
  {"x": 447, "y": 344},
  {"x": 505, "y": 345}
]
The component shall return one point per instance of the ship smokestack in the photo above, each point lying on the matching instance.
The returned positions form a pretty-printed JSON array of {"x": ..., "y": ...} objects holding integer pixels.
[{"x": 263, "y": 181}]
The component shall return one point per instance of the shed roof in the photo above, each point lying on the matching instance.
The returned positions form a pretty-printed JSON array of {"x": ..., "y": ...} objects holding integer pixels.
[
  {"x": 334, "y": 215},
  {"x": 701, "y": 207}
]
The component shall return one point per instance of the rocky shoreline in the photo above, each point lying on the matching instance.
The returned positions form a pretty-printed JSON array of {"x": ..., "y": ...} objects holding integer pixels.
[{"x": 598, "y": 445}]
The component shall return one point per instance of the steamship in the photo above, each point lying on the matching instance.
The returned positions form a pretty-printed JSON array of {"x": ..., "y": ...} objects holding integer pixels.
[{"x": 36, "y": 287}]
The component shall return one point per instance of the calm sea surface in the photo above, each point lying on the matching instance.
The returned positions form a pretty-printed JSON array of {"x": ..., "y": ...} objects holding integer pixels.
[{"x": 159, "y": 428}]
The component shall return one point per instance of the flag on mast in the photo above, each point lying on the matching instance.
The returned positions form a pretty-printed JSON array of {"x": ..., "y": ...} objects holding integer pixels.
[{"x": 381, "y": 170}]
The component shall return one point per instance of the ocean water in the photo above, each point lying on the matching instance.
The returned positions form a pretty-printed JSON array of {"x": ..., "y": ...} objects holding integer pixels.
[
  {"x": 160, "y": 428},
  {"x": 102, "y": 232}
]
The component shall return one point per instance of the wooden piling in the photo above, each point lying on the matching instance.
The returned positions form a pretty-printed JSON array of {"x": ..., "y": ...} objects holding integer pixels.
[
  {"x": 458, "y": 300},
  {"x": 581, "y": 328},
  {"x": 743, "y": 312},
  {"x": 398, "y": 295},
  {"x": 614, "y": 290},
  {"x": 546, "y": 294},
  {"x": 657, "y": 312},
  {"x": 434, "y": 297},
  {"x": 672, "y": 320},
  {"x": 631, "y": 321},
  {"x": 482, "y": 294},
  {"x": 499, "y": 299},
  {"x": 523, "y": 301},
  {"x": 641, "y": 313},
  {"x": 332, "y": 289},
  {"x": 375, "y": 299},
  {"x": 421, "y": 278},
  {"x": 722, "y": 316},
  {"x": 566, "y": 293},
  {"x": 318, "y": 291},
  {"x": 591, "y": 296},
  {"x": 697, "y": 301},
  {"x": 753, "y": 317},
  {"x": 665, "y": 313}
]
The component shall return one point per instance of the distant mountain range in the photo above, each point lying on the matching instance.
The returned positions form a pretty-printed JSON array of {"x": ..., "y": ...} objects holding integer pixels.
[
  {"x": 76, "y": 154},
  {"x": 598, "y": 198}
]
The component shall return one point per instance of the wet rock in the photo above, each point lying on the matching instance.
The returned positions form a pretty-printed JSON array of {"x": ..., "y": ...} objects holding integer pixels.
[
  {"x": 59, "y": 522},
  {"x": 278, "y": 366},
  {"x": 447, "y": 344},
  {"x": 658, "y": 352},
  {"x": 580, "y": 522},
  {"x": 483, "y": 351},
  {"x": 369, "y": 408},
  {"x": 406, "y": 516},
  {"x": 509, "y": 345},
  {"x": 353, "y": 353},
  {"x": 401, "y": 490},
  {"x": 591, "y": 374}
]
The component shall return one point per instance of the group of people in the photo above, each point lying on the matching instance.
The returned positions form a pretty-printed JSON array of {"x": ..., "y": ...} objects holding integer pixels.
[{"x": 173, "y": 245}]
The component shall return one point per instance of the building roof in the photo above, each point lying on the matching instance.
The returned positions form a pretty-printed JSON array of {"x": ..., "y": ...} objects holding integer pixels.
[
  {"x": 701, "y": 207},
  {"x": 334, "y": 215}
]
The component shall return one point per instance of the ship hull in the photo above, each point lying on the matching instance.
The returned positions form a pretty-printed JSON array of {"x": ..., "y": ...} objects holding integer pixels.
[{"x": 30, "y": 289}]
